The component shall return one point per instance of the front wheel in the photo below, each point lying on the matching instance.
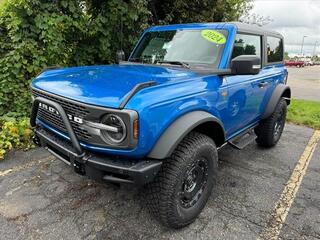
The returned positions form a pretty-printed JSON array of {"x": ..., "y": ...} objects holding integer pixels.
[
  {"x": 270, "y": 130},
  {"x": 185, "y": 181}
]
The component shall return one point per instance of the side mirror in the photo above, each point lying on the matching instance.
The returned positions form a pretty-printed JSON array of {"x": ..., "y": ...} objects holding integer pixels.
[
  {"x": 246, "y": 65},
  {"x": 120, "y": 56}
]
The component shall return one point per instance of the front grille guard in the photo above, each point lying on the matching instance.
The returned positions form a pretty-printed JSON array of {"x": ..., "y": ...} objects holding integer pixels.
[
  {"x": 70, "y": 108},
  {"x": 63, "y": 115}
]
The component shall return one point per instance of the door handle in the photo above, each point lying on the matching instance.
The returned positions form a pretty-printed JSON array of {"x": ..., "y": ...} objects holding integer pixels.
[{"x": 263, "y": 84}]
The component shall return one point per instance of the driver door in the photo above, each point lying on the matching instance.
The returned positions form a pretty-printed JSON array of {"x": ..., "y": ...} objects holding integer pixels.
[{"x": 245, "y": 92}]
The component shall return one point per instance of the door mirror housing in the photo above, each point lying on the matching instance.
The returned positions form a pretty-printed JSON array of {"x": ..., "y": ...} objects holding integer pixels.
[
  {"x": 246, "y": 65},
  {"x": 120, "y": 56}
]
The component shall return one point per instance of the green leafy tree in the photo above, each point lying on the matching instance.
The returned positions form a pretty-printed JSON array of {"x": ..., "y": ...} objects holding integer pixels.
[
  {"x": 32, "y": 37},
  {"x": 181, "y": 11},
  {"x": 40, "y": 33},
  {"x": 286, "y": 56}
]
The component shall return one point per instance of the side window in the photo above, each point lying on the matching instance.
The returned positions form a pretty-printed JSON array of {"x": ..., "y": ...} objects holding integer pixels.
[
  {"x": 274, "y": 49},
  {"x": 247, "y": 45}
]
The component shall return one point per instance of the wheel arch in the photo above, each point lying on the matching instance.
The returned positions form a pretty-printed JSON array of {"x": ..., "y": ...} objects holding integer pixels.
[
  {"x": 199, "y": 121},
  {"x": 287, "y": 95},
  {"x": 281, "y": 91}
]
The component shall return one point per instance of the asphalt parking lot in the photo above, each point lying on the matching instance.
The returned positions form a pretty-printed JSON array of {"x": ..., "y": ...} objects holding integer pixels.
[
  {"x": 305, "y": 82},
  {"x": 41, "y": 198}
]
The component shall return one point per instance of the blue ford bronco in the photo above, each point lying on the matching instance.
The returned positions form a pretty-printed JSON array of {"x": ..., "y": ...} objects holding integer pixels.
[{"x": 158, "y": 119}]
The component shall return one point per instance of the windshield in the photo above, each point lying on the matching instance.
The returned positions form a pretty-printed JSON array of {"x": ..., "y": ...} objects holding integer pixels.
[{"x": 181, "y": 46}]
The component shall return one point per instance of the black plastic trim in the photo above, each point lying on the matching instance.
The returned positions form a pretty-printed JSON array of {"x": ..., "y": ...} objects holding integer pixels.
[
  {"x": 134, "y": 90},
  {"x": 173, "y": 135},
  {"x": 275, "y": 98}
]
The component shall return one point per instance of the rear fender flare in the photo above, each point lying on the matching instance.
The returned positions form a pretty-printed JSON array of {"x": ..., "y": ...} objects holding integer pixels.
[{"x": 280, "y": 91}]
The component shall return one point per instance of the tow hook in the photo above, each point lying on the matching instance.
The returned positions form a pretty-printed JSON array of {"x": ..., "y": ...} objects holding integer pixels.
[
  {"x": 79, "y": 168},
  {"x": 36, "y": 140}
]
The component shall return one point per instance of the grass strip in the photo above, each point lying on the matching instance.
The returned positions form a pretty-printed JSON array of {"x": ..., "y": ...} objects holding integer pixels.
[{"x": 304, "y": 112}]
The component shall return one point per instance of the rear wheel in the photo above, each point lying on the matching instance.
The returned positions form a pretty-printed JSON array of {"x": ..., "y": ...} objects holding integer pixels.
[
  {"x": 270, "y": 130},
  {"x": 184, "y": 184}
]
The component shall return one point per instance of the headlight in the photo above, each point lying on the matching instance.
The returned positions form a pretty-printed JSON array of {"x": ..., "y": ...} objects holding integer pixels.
[{"x": 116, "y": 130}]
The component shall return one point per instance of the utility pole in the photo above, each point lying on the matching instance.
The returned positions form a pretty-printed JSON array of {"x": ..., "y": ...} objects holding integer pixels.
[
  {"x": 314, "y": 49},
  {"x": 302, "y": 44}
]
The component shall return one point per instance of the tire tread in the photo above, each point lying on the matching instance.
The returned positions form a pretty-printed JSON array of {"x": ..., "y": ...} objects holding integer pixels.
[
  {"x": 265, "y": 129},
  {"x": 159, "y": 191}
]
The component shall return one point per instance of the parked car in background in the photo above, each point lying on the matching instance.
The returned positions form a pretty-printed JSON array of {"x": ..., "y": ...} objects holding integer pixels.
[
  {"x": 309, "y": 63},
  {"x": 294, "y": 63}
]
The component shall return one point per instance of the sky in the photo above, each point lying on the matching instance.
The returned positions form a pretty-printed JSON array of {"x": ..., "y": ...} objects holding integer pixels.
[{"x": 293, "y": 19}]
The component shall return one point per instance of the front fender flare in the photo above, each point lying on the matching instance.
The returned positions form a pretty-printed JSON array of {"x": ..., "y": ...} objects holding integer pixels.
[
  {"x": 278, "y": 92},
  {"x": 173, "y": 135}
]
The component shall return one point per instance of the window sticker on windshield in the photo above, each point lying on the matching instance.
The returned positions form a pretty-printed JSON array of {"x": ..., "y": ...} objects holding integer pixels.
[{"x": 213, "y": 36}]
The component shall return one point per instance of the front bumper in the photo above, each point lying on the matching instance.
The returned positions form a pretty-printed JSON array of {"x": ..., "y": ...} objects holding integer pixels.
[{"x": 98, "y": 167}]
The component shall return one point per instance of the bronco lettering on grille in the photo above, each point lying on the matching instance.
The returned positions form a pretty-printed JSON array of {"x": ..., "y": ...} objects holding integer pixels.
[{"x": 54, "y": 111}]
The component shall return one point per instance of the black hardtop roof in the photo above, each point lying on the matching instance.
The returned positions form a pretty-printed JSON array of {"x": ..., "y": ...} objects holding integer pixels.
[
  {"x": 254, "y": 29},
  {"x": 241, "y": 27}
]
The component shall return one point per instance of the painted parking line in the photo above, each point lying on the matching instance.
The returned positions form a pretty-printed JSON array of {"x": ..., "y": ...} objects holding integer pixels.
[{"x": 278, "y": 216}]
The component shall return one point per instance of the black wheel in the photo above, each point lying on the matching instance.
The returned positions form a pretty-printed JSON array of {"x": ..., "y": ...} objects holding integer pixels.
[
  {"x": 269, "y": 130},
  {"x": 184, "y": 184}
]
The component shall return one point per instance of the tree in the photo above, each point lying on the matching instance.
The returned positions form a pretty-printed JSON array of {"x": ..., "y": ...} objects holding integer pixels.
[
  {"x": 286, "y": 56},
  {"x": 181, "y": 11},
  {"x": 35, "y": 34},
  {"x": 256, "y": 19}
]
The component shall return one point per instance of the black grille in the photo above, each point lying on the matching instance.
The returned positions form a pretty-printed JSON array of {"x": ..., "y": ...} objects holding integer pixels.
[{"x": 70, "y": 108}]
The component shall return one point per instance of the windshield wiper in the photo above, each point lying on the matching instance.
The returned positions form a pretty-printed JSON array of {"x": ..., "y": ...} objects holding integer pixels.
[{"x": 184, "y": 64}]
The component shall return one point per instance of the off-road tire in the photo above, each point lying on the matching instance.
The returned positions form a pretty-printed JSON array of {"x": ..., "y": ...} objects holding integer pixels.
[
  {"x": 163, "y": 195},
  {"x": 268, "y": 133}
]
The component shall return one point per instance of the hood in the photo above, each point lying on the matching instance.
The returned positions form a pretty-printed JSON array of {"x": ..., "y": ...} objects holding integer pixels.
[{"x": 105, "y": 85}]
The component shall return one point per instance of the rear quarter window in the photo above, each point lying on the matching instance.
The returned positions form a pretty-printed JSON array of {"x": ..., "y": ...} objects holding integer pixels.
[{"x": 274, "y": 49}]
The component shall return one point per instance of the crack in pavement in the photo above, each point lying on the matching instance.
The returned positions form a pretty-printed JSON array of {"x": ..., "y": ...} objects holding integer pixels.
[
  {"x": 24, "y": 166},
  {"x": 242, "y": 217}
]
